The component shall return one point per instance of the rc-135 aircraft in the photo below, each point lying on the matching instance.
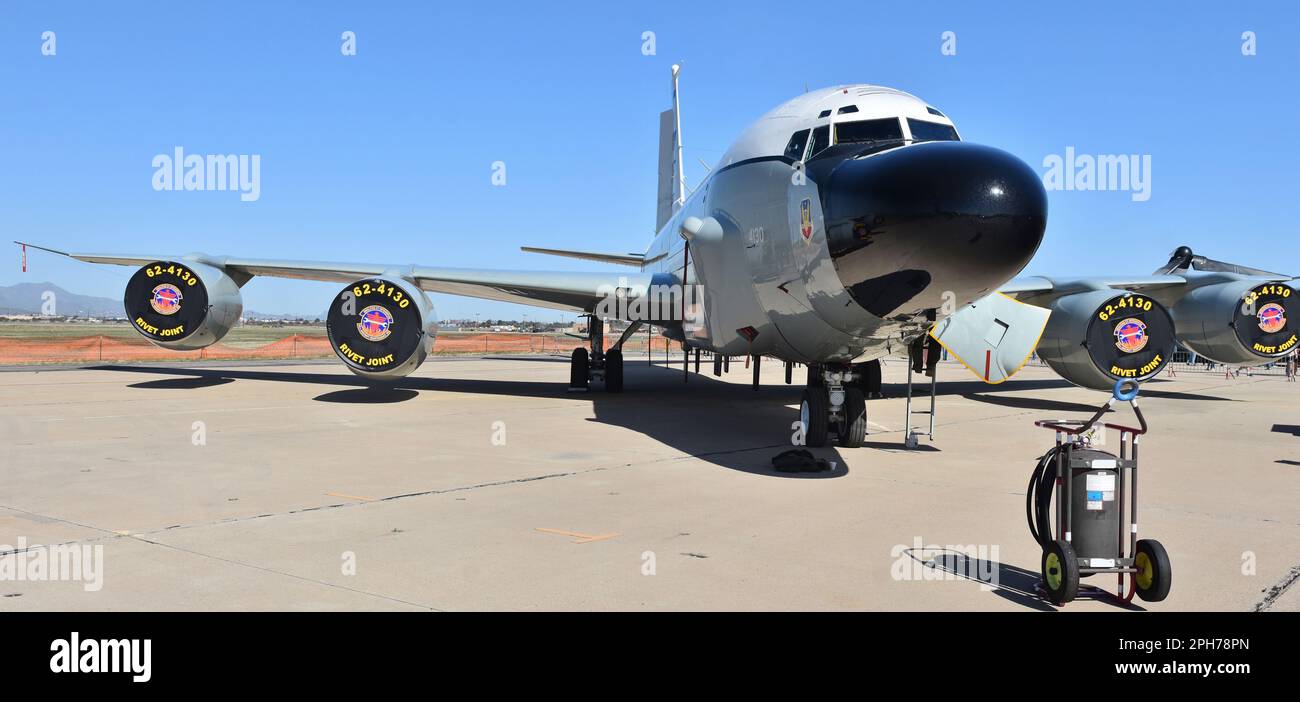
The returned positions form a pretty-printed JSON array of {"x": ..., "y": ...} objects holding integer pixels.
[{"x": 845, "y": 225}]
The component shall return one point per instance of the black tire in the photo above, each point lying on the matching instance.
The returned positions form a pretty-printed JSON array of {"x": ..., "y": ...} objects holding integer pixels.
[
  {"x": 870, "y": 378},
  {"x": 1154, "y": 574},
  {"x": 853, "y": 430},
  {"x": 578, "y": 369},
  {"x": 1060, "y": 572},
  {"x": 814, "y": 412},
  {"x": 814, "y": 375},
  {"x": 614, "y": 370}
]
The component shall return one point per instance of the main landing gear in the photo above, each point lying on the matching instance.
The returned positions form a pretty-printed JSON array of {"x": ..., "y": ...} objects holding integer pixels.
[
  {"x": 598, "y": 364},
  {"x": 834, "y": 402}
]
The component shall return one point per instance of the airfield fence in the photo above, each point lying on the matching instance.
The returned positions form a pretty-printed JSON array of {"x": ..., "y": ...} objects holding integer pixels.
[{"x": 108, "y": 349}]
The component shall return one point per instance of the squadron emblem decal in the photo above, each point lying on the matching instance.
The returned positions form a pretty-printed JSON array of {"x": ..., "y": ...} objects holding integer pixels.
[
  {"x": 376, "y": 323},
  {"x": 1131, "y": 335},
  {"x": 805, "y": 219},
  {"x": 166, "y": 299},
  {"x": 1272, "y": 318}
]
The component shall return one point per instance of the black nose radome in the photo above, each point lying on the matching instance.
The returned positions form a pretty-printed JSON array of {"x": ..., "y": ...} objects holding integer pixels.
[{"x": 908, "y": 225}]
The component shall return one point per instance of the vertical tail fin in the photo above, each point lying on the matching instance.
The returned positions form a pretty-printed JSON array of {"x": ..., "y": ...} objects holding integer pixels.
[{"x": 672, "y": 178}]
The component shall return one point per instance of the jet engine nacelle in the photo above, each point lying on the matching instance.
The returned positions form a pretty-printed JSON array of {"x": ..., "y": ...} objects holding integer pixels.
[
  {"x": 182, "y": 306},
  {"x": 1243, "y": 322},
  {"x": 382, "y": 327},
  {"x": 1094, "y": 338}
]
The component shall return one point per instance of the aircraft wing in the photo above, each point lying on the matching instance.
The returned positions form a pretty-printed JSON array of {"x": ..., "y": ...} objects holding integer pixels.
[
  {"x": 630, "y": 259},
  {"x": 994, "y": 337},
  {"x": 1039, "y": 289},
  {"x": 575, "y": 291}
]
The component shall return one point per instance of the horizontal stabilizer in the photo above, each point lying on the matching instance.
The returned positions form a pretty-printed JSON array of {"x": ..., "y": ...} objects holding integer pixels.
[
  {"x": 993, "y": 336},
  {"x": 629, "y": 259}
]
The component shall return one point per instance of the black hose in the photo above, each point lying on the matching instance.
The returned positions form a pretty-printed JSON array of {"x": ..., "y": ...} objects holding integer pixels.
[{"x": 1038, "y": 496}]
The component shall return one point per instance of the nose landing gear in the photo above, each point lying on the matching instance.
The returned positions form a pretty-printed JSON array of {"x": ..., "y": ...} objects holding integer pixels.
[{"x": 834, "y": 403}]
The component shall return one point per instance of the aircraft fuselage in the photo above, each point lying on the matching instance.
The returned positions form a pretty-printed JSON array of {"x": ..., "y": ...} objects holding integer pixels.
[{"x": 850, "y": 219}]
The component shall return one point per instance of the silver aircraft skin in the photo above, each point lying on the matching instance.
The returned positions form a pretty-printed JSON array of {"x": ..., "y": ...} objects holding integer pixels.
[
  {"x": 770, "y": 271},
  {"x": 847, "y": 224}
]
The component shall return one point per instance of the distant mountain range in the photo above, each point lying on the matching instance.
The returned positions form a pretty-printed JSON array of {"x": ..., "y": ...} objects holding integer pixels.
[{"x": 29, "y": 298}]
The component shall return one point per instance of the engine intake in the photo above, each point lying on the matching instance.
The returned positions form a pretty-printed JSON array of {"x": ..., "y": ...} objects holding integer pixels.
[
  {"x": 1093, "y": 339},
  {"x": 1242, "y": 322},
  {"x": 182, "y": 306},
  {"x": 381, "y": 327}
]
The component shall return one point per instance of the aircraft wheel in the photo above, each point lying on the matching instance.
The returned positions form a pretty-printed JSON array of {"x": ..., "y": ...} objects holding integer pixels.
[
  {"x": 1153, "y": 572},
  {"x": 614, "y": 370},
  {"x": 814, "y": 412},
  {"x": 853, "y": 432},
  {"x": 578, "y": 369},
  {"x": 1060, "y": 572}
]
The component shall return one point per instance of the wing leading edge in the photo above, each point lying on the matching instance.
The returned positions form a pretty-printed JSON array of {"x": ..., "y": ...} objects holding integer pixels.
[
  {"x": 573, "y": 291},
  {"x": 1040, "y": 289}
]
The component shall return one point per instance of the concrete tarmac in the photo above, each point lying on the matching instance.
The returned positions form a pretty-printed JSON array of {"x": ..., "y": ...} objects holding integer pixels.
[{"x": 480, "y": 484}]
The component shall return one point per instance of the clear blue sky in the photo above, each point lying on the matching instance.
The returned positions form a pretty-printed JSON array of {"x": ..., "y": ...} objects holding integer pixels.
[{"x": 387, "y": 155}]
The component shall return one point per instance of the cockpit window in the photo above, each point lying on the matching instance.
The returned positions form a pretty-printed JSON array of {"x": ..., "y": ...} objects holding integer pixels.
[
  {"x": 794, "y": 150},
  {"x": 931, "y": 131},
  {"x": 868, "y": 130},
  {"x": 847, "y": 109},
  {"x": 821, "y": 139}
]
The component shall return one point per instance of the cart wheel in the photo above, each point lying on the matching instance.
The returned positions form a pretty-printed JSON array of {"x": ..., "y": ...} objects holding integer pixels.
[
  {"x": 1060, "y": 572},
  {"x": 1153, "y": 572}
]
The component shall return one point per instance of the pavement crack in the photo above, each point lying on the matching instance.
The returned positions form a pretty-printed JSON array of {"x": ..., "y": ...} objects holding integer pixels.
[
  {"x": 461, "y": 488},
  {"x": 1274, "y": 592},
  {"x": 282, "y": 573}
]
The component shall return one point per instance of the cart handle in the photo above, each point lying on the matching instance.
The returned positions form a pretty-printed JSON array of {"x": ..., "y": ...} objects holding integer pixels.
[{"x": 1126, "y": 390}]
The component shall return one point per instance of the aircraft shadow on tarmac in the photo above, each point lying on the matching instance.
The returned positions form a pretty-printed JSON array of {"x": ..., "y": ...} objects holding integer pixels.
[
  {"x": 1046, "y": 405},
  {"x": 1010, "y": 582},
  {"x": 182, "y": 383},
  {"x": 747, "y": 427},
  {"x": 368, "y": 395},
  {"x": 980, "y": 392},
  {"x": 971, "y": 388},
  {"x": 1034, "y": 403}
]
